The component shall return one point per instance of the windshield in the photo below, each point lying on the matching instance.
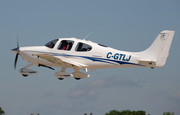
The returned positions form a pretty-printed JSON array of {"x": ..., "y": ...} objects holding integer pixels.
[{"x": 51, "y": 44}]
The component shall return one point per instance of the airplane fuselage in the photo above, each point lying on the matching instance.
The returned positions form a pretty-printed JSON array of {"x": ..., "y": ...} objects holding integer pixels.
[{"x": 98, "y": 57}]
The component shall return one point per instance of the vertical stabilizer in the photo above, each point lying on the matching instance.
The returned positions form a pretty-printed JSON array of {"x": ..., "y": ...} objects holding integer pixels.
[{"x": 159, "y": 49}]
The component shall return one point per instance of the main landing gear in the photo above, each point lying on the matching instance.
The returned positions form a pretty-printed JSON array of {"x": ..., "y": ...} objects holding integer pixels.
[{"x": 77, "y": 74}]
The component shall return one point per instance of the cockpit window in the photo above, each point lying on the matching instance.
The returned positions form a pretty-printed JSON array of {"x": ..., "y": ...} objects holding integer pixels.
[
  {"x": 65, "y": 45},
  {"x": 82, "y": 47},
  {"x": 51, "y": 44}
]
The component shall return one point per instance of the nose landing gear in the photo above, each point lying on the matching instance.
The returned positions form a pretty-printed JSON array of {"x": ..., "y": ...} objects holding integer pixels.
[{"x": 25, "y": 72}]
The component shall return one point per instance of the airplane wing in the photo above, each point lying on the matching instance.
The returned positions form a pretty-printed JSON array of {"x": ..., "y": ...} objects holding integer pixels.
[
  {"x": 60, "y": 59},
  {"x": 67, "y": 60}
]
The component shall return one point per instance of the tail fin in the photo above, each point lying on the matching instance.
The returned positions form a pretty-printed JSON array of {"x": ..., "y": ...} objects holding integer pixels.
[{"x": 157, "y": 53}]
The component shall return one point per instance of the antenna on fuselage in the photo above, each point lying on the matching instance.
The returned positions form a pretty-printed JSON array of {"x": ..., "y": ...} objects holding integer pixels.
[{"x": 87, "y": 35}]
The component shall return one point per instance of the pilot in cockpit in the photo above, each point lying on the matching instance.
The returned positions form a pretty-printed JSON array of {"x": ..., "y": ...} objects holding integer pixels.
[{"x": 64, "y": 45}]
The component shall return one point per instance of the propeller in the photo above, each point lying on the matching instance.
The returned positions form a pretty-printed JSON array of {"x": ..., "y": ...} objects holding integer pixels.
[{"x": 16, "y": 50}]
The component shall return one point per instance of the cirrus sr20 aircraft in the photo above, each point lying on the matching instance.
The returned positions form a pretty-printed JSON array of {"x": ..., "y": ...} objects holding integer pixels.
[{"x": 82, "y": 54}]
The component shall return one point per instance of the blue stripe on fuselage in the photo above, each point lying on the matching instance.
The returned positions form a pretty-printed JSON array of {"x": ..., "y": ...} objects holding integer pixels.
[{"x": 110, "y": 61}]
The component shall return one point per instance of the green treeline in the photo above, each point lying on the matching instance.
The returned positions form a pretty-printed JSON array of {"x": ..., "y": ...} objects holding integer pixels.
[{"x": 126, "y": 112}]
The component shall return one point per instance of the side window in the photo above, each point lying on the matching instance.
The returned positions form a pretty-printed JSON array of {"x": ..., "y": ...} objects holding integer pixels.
[
  {"x": 82, "y": 47},
  {"x": 65, "y": 45}
]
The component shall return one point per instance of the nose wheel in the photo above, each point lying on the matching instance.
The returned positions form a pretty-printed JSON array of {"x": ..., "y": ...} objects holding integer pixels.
[
  {"x": 24, "y": 75},
  {"x": 60, "y": 78}
]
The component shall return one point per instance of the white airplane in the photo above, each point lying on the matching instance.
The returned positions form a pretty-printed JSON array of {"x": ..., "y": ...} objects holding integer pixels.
[{"x": 82, "y": 54}]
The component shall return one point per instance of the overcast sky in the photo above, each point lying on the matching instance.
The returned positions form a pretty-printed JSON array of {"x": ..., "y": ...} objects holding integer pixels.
[{"x": 130, "y": 25}]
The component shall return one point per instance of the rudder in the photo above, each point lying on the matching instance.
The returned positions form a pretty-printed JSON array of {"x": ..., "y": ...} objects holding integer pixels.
[{"x": 166, "y": 40}]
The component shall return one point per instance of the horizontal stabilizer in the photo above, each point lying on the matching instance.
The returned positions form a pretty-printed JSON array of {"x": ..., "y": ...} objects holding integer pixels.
[{"x": 147, "y": 63}]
